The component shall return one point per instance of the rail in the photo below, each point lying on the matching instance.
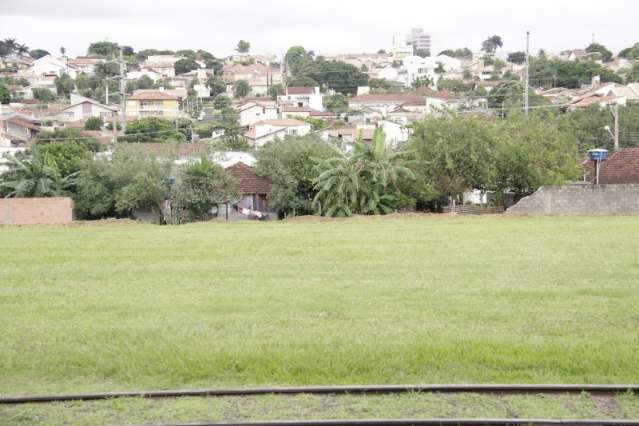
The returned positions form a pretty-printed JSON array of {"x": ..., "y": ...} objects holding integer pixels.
[{"x": 599, "y": 389}]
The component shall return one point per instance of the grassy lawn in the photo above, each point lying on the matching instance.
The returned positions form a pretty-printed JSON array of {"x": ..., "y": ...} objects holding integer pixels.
[{"x": 367, "y": 300}]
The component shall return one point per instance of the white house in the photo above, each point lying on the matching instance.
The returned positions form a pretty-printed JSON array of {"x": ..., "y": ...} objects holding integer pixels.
[
  {"x": 85, "y": 65},
  {"x": 420, "y": 68},
  {"x": 48, "y": 65},
  {"x": 82, "y": 108},
  {"x": 310, "y": 97},
  {"x": 396, "y": 133},
  {"x": 263, "y": 132},
  {"x": 252, "y": 112},
  {"x": 384, "y": 103},
  {"x": 162, "y": 65}
]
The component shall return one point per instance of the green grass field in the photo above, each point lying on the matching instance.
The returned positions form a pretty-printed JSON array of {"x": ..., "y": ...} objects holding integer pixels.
[{"x": 423, "y": 299}]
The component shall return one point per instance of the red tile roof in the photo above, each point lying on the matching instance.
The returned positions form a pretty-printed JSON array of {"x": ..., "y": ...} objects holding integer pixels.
[
  {"x": 621, "y": 167},
  {"x": 248, "y": 181}
]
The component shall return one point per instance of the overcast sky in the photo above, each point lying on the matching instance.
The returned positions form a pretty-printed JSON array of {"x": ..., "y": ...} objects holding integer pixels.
[{"x": 326, "y": 26}]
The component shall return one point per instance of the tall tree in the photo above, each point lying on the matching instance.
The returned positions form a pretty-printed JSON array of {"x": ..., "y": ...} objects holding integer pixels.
[
  {"x": 491, "y": 44},
  {"x": 606, "y": 55},
  {"x": 363, "y": 183},
  {"x": 243, "y": 46},
  {"x": 38, "y": 53},
  {"x": 241, "y": 89}
]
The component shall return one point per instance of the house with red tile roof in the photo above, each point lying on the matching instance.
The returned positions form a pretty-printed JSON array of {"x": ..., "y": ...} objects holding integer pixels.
[
  {"x": 621, "y": 167},
  {"x": 254, "y": 192}
]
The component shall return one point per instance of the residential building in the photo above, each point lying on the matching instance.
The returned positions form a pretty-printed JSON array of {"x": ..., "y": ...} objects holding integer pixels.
[
  {"x": 49, "y": 65},
  {"x": 419, "y": 40},
  {"x": 310, "y": 97},
  {"x": 621, "y": 167},
  {"x": 82, "y": 108},
  {"x": 259, "y": 76},
  {"x": 384, "y": 103},
  {"x": 162, "y": 65},
  {"x": 252, "y": 112},
  {"x": 16, "y": 134},
  {"x": 16, "y": 130},
  {"x": 152, "y": 103},
  {"x": 263, "y": 132},
  {"x": 254, "y": 191},
  {"x": 84, "y": 65}
]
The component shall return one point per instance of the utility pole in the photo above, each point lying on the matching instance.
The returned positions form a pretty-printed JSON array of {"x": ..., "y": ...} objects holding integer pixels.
[
  {"x": 107, "y": 93},
  {"x": 527, "y": 73},
  {"x": 122, "y": 92},
  {"x": 616, "y": 114}
]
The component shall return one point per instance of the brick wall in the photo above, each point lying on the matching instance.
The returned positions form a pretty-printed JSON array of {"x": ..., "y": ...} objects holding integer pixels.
[
  {"x": 581, "y": 199},
  {"x": 32, "y": 211}
]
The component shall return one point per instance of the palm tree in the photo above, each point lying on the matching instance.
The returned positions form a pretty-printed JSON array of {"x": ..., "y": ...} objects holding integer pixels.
[
  {"x": 363, "y": 183},
  {"x": 11, "y": 44},
  {"x": 22, "y": 49},
  {"x": 338, "y": 185},
  {"x": 491, "y": 44},
  {"x": 35, "y": 177}
]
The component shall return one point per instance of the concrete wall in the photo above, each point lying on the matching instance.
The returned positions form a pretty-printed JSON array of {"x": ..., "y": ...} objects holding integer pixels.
[
  {"x": 33, "y": 211},
  {"x": 581, "y": 199}
]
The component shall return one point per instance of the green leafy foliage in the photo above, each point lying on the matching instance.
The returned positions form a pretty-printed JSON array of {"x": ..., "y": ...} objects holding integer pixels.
[
  {"x": 310, "y": 71},
  {"x": 337, "y": 103},
  {"x": 243, "y": 46},
  {"x": 102, "y": 48},
  {"x": 130, "y": 180},
  {"x": 241, "y": 89},
  {"x": 68, "y": 148},
  {"x": 43, "y": 94},
  {"x": 631, "y": 52},
  {"x": 152, "y": 129},
  {"x": 5, "y": 95},
  {"x": 201, "y": 186},
  {"x": 290, "y": 165},
  {"x": 364, "y": 183},
  {"x": 216, "y": 86},
  {"x": 458, "y": 53},
  {"x": 64, "y": 85},
  {"x": 185, "y": 65},
  {"x": 35, "y": 175},
  {"x": 606, "y": 55},
  {"x": 38, "y": 53},
  {"x": 517, "y": 57},
  {"x": 93, "y": 123}
]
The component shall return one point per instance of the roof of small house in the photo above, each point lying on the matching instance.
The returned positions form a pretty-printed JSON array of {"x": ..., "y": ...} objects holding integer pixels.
[
  {"x": 248, "y": 181},
  {"x": 281, "y": 122},
  {"x": 151, "y": 95},
  {"x": 300, "y": 90},
  {"x": 389, "y": 97},
  {"x": 621, "y": 167}
]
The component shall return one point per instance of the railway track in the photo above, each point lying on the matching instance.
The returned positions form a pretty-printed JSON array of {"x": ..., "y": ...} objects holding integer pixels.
[
  {"x": 429, "y": 422},
  {"x": 600, "y": 390}
]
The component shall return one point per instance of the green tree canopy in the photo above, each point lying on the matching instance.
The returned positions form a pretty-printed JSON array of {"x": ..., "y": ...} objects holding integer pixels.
[
  {"x": 38, "y": 53},
  {"x": 290, "y": 165},
  {"x": 243, "y": 46},
  {"x": 606, "y": 55},
  {"x": 201, "y": 186},
  {"x": 185, "y": 65},
  {"x": 102, "y": 48},
  {"x": 517, "y": 57},
  {"x": 150, "y": 129},
  {"x": 241, "y": 89}
]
